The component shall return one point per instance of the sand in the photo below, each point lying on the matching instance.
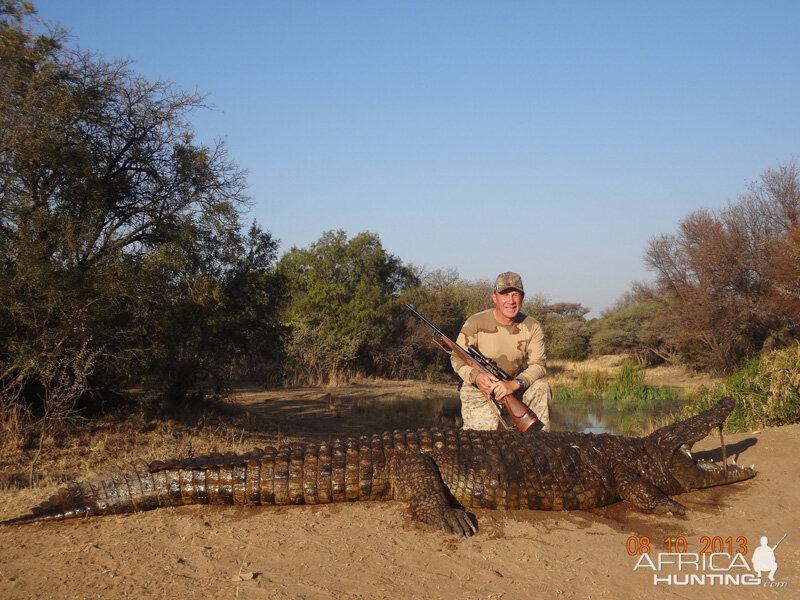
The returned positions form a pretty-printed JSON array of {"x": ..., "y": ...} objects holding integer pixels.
[{"x": 373, "y": 550}]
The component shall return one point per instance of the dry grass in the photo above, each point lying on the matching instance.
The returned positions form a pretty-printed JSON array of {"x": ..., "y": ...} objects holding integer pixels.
[
  {"x": 85, "y": 449},
  {"x": 252, "y": 418},
  {"x": 564, "y": 373}
]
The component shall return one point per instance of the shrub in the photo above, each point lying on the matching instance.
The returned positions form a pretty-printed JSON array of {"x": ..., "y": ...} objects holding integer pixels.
[{"x": 766, "y": 390}]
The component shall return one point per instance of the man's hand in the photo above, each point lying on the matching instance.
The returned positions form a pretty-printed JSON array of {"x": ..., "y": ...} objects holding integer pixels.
[
  {"x": 501, "y": 389},
  {"x": 485, "y": 383},
  {"x": 492, "y": 386}
]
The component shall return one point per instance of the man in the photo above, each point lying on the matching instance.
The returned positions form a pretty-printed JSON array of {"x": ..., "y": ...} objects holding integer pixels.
[{"x": 516, "y": 343}]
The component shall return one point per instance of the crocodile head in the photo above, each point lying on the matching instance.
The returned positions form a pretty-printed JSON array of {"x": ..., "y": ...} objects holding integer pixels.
[{"x": 674, "y": 443}]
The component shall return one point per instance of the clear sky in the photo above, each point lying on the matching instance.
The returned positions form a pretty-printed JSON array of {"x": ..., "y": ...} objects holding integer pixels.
[{"x": 549, "y": 138}]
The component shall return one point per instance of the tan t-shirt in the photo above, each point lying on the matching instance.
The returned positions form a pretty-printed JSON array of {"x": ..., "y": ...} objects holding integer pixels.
[{"x": 518, "y": 348}]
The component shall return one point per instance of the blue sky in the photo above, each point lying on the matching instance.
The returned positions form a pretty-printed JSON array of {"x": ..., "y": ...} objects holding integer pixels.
[{"x": 550, "y": 138}]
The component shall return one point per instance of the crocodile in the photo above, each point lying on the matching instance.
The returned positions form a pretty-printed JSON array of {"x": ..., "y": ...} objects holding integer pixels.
[{"x": 440, "y": 473}]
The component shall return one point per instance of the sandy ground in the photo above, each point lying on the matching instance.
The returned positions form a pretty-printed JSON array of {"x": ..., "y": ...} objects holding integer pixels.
[{"x": 372, "y": 550}]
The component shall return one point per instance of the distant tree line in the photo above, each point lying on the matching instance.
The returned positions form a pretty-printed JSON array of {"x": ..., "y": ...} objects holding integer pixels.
[{"x": 126, "y": 262}]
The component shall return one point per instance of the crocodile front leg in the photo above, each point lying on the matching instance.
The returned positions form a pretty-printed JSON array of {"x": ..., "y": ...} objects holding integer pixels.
[
  {"x": 415, "y": 479},
  {"x": 643, "y": 494}
]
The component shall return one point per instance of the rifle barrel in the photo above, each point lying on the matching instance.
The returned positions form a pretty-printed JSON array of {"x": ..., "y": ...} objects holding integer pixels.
[{"x": 427, "y": 322}]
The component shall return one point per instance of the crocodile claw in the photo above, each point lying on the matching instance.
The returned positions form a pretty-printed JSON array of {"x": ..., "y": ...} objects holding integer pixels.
[
  {"x": 668, "y": 505},
  {"x": 448, "y": 519}
]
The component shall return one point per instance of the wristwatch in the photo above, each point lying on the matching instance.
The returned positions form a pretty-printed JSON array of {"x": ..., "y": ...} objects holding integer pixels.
[{"x": 521, "y": 384}]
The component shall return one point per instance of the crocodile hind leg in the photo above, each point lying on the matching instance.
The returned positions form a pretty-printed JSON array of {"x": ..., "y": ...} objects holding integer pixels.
[{"x": 415, "y": 479}]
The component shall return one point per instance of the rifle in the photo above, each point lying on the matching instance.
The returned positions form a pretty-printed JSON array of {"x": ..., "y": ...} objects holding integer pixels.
[
  {"x": 779, "y": 542},
  {"x": 523, "y": 417}
]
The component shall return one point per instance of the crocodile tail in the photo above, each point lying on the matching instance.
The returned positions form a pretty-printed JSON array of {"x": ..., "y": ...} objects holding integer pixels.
[
  {"x": 314, "y": 474},
  {"x": 138, "y": 486},
  {"x": 121, "y": 489}
]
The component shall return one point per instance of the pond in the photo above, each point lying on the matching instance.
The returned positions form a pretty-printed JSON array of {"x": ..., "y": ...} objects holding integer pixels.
[
  {"x": 581, "y": 416},
  {"x": 590, "y": 416}
]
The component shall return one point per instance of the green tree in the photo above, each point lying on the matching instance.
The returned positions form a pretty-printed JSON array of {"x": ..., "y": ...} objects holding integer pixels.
[
  {"x": 447, "y": 300},
  {"x": 343, "y": 297},
  {"x": 121, "y": 252},
  {"x": 219, "y": 318},
  {"x": 566, "y": 332},
  {"x": 631, "y": 327}
]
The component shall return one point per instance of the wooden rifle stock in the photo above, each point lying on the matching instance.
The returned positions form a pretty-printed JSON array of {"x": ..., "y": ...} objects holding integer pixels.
[{"x": 523, "y": 417}]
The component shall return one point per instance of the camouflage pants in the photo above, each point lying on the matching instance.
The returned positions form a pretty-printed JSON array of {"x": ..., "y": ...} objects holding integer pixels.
[{"x": 477, "y": 413}]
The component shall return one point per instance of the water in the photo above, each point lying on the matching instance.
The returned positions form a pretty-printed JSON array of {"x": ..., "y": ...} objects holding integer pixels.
[
  {"x": 580, "y": 416},
  {"x": 589, "y": 416}
]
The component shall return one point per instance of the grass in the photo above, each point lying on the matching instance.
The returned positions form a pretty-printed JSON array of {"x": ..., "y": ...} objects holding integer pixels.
[
  {"x": 625, "y": 391},
  {"x": 766, "y": 390},
  {"x": 623, "y": 399}
]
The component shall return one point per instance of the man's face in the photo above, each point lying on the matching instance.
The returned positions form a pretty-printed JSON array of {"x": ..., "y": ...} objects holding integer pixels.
[{"x": 508, "y": 303}]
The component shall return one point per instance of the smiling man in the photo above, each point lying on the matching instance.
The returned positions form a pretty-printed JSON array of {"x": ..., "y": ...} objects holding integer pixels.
[{"x": 515, "y": 342}]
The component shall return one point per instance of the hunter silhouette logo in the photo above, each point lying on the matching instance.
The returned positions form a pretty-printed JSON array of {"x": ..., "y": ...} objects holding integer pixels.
[{"x": 764, "y": 557}]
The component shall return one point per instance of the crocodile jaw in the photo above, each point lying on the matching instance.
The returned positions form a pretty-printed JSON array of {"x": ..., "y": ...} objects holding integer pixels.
[
  {"x": 674, "y": 443},
  {"x": 692, "y": 474}
]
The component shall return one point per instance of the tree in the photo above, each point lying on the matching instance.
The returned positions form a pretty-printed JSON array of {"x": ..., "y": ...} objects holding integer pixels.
[
  {"x": 221, "y": 317},
  {"x": 343, "y": 297},
  {"x": 566, "y": 332},
  {"x": 716, "y": 273},
  {"x": 632, "y": 327},
  {"x": 783, "y": 273},
  {"x": 119, "y": 234},
  {"x": 447, "y": 300}
]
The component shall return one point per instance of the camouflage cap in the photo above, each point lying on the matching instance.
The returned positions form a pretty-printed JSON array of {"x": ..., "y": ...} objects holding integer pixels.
[{"x": 508, "y": 281}]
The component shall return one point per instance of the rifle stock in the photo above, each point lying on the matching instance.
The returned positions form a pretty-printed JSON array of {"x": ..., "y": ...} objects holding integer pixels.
[{"x": 523, "y": 417}]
